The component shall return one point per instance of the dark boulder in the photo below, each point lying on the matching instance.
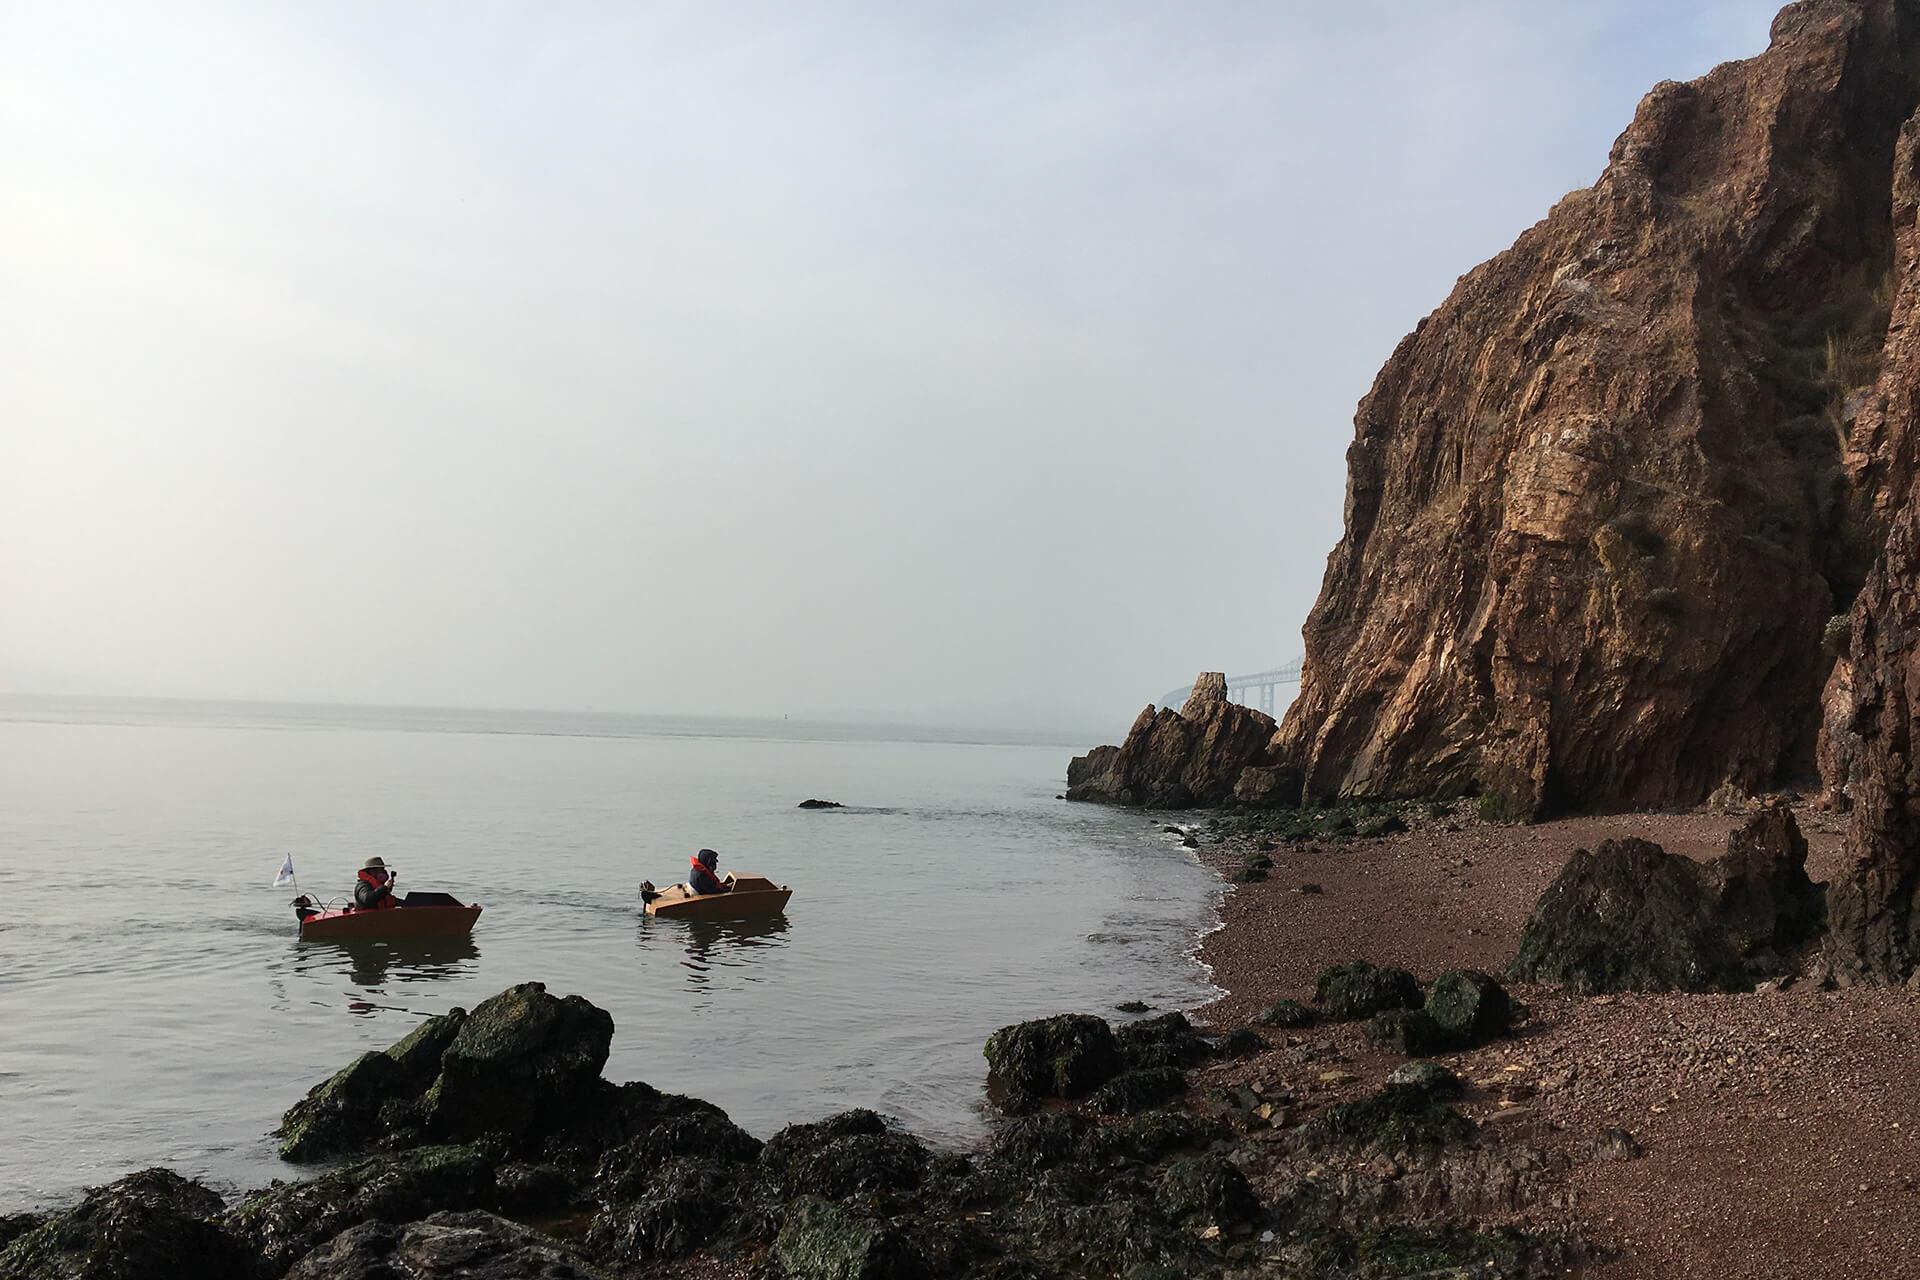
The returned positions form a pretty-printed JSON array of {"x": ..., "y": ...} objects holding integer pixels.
[
  {"x": 1358, "y": 990},
  {"x": 1065, "y": 1056},
  {"x": 1405, "y": 1031},
  {"x": 151, "y": 1225},
  {"x": 1629, "y": 917},
  {"x": 445, "y": 1246},
  {"x": 1469, "y": 1007},
  {"x": 518, "y": 1062}
]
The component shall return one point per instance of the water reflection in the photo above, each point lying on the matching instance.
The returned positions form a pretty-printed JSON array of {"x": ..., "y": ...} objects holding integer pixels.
[
  {"x": 713, "y": 945},
  {"x": 375, "y": 962}
]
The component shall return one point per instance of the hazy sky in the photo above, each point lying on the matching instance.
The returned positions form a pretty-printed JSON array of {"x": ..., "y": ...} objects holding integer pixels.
[{"x": 986, "y": 361}]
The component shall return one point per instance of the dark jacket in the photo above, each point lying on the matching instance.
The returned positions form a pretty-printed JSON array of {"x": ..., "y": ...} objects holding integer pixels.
[
  {"x": 701, "y": 877},
  {"x": 373, "y": 888}
]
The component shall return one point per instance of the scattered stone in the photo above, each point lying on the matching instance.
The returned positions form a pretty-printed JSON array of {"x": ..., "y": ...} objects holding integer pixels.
[
  {"x": 1614, "y": 1144},
  {"x": 1308, "y": 888},
  {"x": 1430, "y": 1078},
  {"x": 1290, "y": 1014},
  {"x": 1469, "y": 1007}
]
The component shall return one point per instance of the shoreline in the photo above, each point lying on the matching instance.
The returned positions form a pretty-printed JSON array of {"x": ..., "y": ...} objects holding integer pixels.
[{"x": 1781, "y": 1129}]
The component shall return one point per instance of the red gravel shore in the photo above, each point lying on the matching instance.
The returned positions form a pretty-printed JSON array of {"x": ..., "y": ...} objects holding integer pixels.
[{"x": 1780, "y": 1128}]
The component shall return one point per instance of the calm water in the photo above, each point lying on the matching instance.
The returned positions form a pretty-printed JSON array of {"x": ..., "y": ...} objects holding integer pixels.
[{"x": 157, "y": 1007}]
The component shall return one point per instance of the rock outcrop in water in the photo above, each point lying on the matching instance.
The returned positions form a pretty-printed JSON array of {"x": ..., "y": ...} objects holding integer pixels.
[
  {"x": 1603, "y": 503},
  {"x": 1210, "y": 752}
]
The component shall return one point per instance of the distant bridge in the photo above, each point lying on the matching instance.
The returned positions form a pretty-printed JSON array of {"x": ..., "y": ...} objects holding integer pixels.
[{"x": 1261, "y": 685}]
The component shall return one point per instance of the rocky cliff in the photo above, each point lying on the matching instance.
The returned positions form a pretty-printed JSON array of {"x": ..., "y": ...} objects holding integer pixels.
[
  {"x": 1209, "y": 752},
  {"x": 1603, "y": 504}
]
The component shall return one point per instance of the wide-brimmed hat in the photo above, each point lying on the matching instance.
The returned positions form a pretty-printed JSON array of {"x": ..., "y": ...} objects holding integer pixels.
[{"x": 373, "y": 864}]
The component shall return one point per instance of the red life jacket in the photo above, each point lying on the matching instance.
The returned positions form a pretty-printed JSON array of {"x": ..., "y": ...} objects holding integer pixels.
[
  {"x": 702, "y": 869},
  {"x": 376, "y": 878}
]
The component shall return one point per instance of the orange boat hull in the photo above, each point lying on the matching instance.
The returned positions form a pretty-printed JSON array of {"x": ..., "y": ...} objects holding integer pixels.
[
  {"x": 391, "y": 922},
  {"x": 750, "y": 896}
]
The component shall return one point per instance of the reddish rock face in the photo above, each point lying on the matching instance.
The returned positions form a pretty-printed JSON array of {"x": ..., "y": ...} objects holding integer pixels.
[{"x": 1602, "y": 504}]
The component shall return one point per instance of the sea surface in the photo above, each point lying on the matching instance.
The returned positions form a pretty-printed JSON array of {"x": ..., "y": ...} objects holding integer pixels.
[{"x": 158, "y": 1007}]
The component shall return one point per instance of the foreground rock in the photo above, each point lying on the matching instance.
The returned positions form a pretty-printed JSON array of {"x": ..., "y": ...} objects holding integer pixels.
[
  {"x": 1602, "y": 503},
  {"x": 650, "y": 1184},
  {"x": 1631, "y": 917},
  {"x": 1210, "y": 752}
]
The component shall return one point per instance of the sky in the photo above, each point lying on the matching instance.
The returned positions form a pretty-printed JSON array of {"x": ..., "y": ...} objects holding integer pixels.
[{"x": 984, "y": 362}]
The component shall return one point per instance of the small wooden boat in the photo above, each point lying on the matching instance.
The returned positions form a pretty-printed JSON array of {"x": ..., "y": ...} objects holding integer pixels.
[
  {"x": 418, "y": 915},
  {"x": 748, "y": 896}
]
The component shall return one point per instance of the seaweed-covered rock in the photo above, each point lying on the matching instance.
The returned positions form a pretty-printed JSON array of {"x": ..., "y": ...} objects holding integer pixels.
[
  {"x": 1065, "y": 1056},
  {"x": 518, "y": 1062},
  {"x": 445, "y": 1246},
  {"x": 820, "y": 1241},
  {"x": 366, "y": 1103},
  {"x": 1207, "y": 1188},
  {"x": 1241, "y": 1042},
  {"x": 854, "y": 1153},
  {"x": 1430, "y": 1078},
  {"x": 1398, "y": 1116},
  {"x": 150, "y": 1225},
  {"x": 1628, "y": 916},
  {"x": 1469, "y": 1006},
  {"x": 1349, "y": 992},
  {"x": 1141, "y": 1090},
  {"x": 289, "y": 1219},
  {"x": 1166, "y": 1041},
  {"x": 686, "y": 1203},
  {"x": 1037, "y": 1142},
  {"x": 1290, "y": 1014},
  {"x": 1408, "y": 1031}
]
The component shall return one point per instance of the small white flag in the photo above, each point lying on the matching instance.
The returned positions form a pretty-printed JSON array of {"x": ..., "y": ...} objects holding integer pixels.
[{"x": 286, "y": 873}]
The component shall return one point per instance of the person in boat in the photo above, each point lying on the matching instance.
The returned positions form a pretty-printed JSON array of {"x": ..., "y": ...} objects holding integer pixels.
[
  {"x": 373, "y": 888},
  {"x": 704, "y": 876}
]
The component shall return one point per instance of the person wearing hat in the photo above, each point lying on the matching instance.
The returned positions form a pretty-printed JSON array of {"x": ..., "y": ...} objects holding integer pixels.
[
  {"x": 374, "y": 886},
  {"x": 704, "y": 876}
]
